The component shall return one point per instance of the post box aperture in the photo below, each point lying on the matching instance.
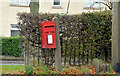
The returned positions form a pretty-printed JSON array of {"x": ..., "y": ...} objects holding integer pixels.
[{"x": 48, "y": 39}]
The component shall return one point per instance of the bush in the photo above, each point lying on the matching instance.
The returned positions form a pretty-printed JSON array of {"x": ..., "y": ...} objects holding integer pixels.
[
  {"x": 29, "y": 69},
  {"x": 41, "y": 69},
  {"x": 10, "y": 46},
  {"x": 91, "y": 30}
]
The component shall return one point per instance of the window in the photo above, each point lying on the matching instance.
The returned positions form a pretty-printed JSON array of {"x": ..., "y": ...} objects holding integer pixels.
[
  {"x": 92, "y": 4},
  {"x": 20, "y": 2},
  {"x": 56, "y": 2},
  {"x": 14, "y": 30}
]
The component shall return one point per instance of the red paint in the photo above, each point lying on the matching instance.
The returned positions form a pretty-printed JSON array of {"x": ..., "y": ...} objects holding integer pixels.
[{"x": 48, "y": 28}]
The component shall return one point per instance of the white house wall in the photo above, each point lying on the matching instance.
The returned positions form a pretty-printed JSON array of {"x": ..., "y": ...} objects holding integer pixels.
[
  {"x": 75, "y": 6},
  {"x": 9, "y": 16}
]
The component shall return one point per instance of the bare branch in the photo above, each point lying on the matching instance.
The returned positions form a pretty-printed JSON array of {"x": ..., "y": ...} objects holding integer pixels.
[{"x": 107, "y": 3}]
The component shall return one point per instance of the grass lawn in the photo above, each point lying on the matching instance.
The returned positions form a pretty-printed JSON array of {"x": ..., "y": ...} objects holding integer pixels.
[{"x": 12, "y": 68}]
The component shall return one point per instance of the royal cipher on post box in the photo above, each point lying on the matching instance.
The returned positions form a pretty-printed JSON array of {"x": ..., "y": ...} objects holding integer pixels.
[{"x": 48, "y": 39}]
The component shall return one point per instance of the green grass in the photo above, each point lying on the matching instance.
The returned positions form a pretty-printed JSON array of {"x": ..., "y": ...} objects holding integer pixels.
[{"x": 11, "y": 68}]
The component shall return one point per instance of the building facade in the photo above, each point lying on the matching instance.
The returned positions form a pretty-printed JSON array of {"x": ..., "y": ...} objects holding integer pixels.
[{"x": 10, "y": 8}]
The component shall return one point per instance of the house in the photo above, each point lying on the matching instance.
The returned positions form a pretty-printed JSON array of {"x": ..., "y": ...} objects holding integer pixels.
[{"x": 10, "y": 8}]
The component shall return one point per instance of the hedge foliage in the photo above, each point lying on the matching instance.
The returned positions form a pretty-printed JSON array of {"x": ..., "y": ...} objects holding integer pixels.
[
  {"x": 11, "y": 46},
  {"x": 91, "y": 30},
  {"x": 86, "y": 33}
]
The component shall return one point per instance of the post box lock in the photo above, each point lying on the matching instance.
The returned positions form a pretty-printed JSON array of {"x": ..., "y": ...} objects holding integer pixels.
[{"x": 48, "y": 35}]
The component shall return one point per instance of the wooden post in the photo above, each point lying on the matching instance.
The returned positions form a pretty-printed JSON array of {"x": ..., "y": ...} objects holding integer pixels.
[
  {"x": 24, "y": 55},
  {"x": 28, "y": 53},
  {"x": 116, "y": 37},
  {"x": 58, "y": 63},
  {"x": 39, "y": 44}
]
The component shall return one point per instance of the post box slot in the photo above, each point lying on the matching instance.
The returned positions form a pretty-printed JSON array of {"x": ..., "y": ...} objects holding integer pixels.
[
  {"x": 48, "y": 26},
  {"x": 46, "y": 32}
]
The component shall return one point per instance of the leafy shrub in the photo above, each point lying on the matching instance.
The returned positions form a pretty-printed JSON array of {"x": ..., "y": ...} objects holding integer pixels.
[
  {"x": 41, "y": 69},
  {"x": 29, "y": 69},
  {"x": 10, "y": 46},
  {"x": 45, "y": 69},
  {"x": 84, "y": 70}
]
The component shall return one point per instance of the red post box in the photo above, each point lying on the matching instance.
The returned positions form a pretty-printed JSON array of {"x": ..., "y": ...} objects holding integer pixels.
[{"x": 48, "y": 39}]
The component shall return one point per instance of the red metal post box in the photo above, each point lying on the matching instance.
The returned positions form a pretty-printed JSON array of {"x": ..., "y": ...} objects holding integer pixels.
[{"x": 48, "y": 39}]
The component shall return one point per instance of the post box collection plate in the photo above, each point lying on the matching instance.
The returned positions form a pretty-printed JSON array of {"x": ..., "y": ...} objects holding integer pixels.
[{"x": 48, "y": 39}]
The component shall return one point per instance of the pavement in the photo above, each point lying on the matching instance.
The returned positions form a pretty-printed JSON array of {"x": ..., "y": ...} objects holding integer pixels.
[{"x": 10, "y": 62}]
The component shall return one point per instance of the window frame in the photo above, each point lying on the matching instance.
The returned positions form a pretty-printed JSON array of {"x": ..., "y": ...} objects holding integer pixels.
[
  {"x": 13, "y": 29},
  {"x": 56, "y": 5},
  {"x": 19, "y": 4}
]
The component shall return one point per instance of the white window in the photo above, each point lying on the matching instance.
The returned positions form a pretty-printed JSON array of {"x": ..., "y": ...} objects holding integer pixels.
[
  {"x": 14, "y": 30},
  {"x": 20, "y": 2},
  {"x": 56, "y": 2},
  {"x": 92, "y": 3}
]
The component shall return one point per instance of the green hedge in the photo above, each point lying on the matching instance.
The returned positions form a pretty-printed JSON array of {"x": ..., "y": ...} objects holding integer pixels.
[
  {"x": 88, "y": 33},
  {"x": 10, "y": 46},
  {"x": 93, "y": 30}
]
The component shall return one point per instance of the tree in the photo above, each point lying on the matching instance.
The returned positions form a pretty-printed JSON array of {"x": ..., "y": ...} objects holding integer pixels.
[
  {"x": 34, "y": 6},
  {"x": 107, "y": 3}
]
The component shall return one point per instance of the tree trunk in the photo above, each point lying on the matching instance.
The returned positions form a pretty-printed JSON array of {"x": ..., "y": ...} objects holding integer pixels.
[{"x": 34, "y": 6}]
